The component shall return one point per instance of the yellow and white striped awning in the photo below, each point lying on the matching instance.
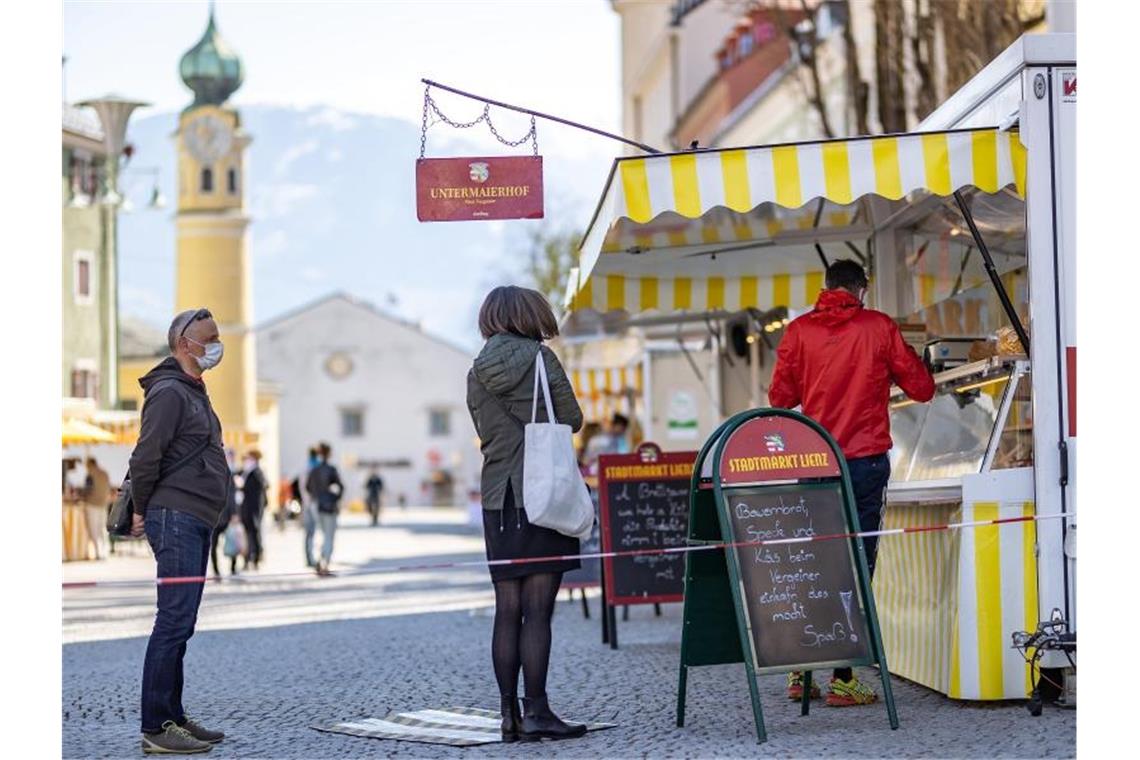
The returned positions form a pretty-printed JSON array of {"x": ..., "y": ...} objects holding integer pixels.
[
  {"x": 662, "y": 218},
  {"x": 606, "y": 381}
]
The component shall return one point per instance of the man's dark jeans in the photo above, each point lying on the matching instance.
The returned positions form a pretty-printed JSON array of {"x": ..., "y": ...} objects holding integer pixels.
[
  {"x": 181, "y": 545},
  {"x": 869, "y": 476}
]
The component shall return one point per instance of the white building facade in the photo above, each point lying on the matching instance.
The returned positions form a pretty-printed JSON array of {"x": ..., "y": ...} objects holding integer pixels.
[{"x": 381, "y": 392}]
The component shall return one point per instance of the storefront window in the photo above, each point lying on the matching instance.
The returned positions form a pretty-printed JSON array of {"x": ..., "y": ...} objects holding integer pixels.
[
  {"x": 906, "y": 424},
  {"x": 957, "y": 430},
  {"x": 1015, "y": 447}
]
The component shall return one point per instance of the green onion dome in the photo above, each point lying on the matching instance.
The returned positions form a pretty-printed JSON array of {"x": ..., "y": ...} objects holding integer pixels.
[{"x": 211, "y": 68}]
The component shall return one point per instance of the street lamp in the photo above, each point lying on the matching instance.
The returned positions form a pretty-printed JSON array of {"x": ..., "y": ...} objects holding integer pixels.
[{"x": 114, "y": 112}]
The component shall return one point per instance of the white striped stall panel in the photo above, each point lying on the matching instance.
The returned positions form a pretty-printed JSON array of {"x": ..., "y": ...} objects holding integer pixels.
[{"x": 916, "y": 592}]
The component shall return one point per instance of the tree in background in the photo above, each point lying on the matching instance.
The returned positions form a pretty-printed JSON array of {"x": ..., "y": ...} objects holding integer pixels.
[
  {"x": 923, "y": 51},
  {"x": 550, "y": 253}
]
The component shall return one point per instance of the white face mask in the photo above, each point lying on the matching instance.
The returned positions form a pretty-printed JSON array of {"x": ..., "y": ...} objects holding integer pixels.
[{"x": 213, "y": 355}]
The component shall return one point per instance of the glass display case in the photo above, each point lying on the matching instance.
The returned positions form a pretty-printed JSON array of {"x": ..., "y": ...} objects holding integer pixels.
[{"x": 979, "y": 419}]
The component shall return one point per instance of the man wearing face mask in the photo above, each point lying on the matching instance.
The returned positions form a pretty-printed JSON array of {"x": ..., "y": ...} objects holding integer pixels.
[
  {"x": 179, "y": 482},
  {"x": 837, "y": 363}
]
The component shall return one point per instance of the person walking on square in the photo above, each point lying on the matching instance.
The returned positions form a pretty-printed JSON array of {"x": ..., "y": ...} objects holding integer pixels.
[
  {"x": 179, "y": 479},
  {"x": 309, "y": 509},
  {"x": 254, "y": 498},
  {"x": 500, "y": 386},
  {"x": 96, "y": 499},
  {"x": 230, "y": 512},
  {"x": 837, "y": 363},
  {"x": 325, "y": 489},
  {"x": 375, "y": 489}
]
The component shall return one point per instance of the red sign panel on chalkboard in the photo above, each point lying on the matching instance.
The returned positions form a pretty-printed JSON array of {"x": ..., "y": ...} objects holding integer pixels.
[
  {"x": 645, "y": 505},
  {"x": 474, "y": 189},
  {"x": 775, "y": 448}
]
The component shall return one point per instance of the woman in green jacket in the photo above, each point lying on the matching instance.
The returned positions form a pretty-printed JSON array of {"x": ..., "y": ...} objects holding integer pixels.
[{"x": 515, "y": 321}]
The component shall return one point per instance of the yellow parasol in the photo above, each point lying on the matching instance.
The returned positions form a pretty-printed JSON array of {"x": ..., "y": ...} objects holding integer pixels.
[{"x": 77, "y": 431}]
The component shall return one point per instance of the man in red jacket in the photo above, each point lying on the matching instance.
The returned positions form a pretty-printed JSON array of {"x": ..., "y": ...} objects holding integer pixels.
[{"x": 838, "y": 363}]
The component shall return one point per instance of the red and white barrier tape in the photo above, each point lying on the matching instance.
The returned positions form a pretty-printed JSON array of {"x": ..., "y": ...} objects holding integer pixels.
[{"x": 592, "y": 555}]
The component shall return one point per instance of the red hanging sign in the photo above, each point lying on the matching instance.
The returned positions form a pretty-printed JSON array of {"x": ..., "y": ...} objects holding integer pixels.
[{"x": 472, "y": 189}]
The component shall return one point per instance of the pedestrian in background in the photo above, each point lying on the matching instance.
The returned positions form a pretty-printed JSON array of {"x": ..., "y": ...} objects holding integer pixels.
[
  {"x": 179, "y": 479},
  {"x": 500, "y": 395},
  {"x": 96, "y": 500},
  {"x": 309, "y": 510},
  {"x": 375, "y": 489},
  {"x": 229, "y": 512},
  {"x": 325, "y": 489},
  {"x": 837, "y": 363},
  {"x": 254, "y": 491}
]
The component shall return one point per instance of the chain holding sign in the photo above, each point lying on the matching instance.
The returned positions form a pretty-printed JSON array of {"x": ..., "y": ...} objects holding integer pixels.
[{"x": 477, "y": 188}]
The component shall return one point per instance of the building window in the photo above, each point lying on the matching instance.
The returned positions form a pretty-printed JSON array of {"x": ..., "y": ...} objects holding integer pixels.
[
  {"x": 83, "y": 177},
  {"x": 207, "y": 180},
  {"x": 352, "y": 423},
  {"x": 83, "y": 272},
  {"x": 439, "y": 422},
  {"x": 231, "y": 181},
  {"x": 84, "y": 383}
]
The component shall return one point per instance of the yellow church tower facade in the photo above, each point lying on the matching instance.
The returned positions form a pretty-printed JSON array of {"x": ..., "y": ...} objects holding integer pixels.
[{"x": 213, "y": 268}]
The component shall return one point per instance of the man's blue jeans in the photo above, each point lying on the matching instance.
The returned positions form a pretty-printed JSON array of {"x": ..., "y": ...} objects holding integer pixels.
[
  {"x": 181, "y": 545},
  {"x": 869, "y": 476},
  {"x": 309, "y": 519},
  {"x": 328, "y": 531}
]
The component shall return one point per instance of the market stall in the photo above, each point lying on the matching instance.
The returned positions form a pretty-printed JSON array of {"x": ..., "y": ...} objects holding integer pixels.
[
  {"x": 940, "y": 220},
  {"x": 77, "y": 532}
]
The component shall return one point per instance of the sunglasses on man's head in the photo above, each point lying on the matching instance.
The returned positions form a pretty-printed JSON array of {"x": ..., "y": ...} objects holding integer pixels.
[{"x": 198, "y": 316}]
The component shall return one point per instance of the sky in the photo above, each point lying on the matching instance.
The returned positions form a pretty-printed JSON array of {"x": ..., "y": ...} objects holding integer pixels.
[{"x": 368, "y": 58}]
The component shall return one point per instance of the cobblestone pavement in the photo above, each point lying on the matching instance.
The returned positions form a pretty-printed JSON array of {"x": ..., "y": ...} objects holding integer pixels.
[{"x": 265, "y": 685}]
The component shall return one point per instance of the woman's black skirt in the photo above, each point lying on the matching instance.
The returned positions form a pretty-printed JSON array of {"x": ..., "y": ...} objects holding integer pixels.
[{"x": 508, "y": 535}]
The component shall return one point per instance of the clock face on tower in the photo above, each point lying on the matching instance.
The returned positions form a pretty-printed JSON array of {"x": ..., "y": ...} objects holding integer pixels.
[{"x": 208, "y": 138}]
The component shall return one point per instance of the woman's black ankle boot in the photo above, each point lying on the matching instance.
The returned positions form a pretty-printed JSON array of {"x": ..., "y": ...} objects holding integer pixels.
[
  {"x": 512, "y": 720},
  {"x": 540, "y": 723}
]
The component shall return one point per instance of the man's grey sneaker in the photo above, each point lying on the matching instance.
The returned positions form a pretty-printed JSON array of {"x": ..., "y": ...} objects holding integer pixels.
[
  {"x": 201, "y": 733},
  {"x": 173, "y": 740}
]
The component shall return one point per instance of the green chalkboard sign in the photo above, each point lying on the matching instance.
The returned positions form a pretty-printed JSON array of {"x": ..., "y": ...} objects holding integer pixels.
[{"x": 787, "y": 587}]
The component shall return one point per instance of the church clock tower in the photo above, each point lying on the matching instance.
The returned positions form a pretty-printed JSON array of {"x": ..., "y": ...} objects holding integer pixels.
[{"x": 213, "y": 265}]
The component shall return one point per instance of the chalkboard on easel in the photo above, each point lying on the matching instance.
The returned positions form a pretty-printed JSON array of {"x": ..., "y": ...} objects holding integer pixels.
[
  {"x": 644, "y": 506},
  {"x": 771, "y": 498},
  {"x": 804, "y": 605}
]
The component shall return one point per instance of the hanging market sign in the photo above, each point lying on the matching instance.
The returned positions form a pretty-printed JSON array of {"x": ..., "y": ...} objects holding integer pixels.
[{"x": 472, "y": 189}]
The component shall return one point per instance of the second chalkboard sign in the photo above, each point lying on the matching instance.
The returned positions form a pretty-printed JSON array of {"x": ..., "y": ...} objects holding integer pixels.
[{"x": 645, "y": 506}]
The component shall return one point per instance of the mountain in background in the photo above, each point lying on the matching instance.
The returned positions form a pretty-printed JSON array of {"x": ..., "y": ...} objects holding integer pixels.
[{"x": 332, "y": 197}]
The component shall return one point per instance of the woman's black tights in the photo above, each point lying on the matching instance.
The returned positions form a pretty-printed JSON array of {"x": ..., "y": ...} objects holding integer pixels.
[{"x": 523, "y": 608}]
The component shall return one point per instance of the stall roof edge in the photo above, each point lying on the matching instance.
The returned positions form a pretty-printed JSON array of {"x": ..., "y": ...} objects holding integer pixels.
[{"x": 1028, "y": 50}]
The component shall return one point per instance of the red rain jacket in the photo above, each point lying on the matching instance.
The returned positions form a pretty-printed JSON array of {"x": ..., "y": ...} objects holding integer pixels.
[{"x": 838, "y": 363}]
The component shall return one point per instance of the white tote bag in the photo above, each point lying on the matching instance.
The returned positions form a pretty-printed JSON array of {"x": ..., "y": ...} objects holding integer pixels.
[{"x": 554, "y": 494}]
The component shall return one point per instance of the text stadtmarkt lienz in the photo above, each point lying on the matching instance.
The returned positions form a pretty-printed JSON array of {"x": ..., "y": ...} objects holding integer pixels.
[
  {"x": 778, "y": 462},
  {"x": 462, "y": 193},
  {"x": 649, "y": 471}
]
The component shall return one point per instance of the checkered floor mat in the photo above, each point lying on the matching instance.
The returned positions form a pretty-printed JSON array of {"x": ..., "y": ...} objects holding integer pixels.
[{"x": 456, "y": 726}]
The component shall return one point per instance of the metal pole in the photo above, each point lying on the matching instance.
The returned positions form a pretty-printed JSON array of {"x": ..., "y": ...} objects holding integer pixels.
[
  {"x": 991, "y": 270},
  {"x": 538, "y": 114}
]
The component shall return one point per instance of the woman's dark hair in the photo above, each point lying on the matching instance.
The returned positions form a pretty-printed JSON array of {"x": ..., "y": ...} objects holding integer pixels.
[
  {"x": 845, "y": 274},
  {"x": 520, "y": 311}
]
